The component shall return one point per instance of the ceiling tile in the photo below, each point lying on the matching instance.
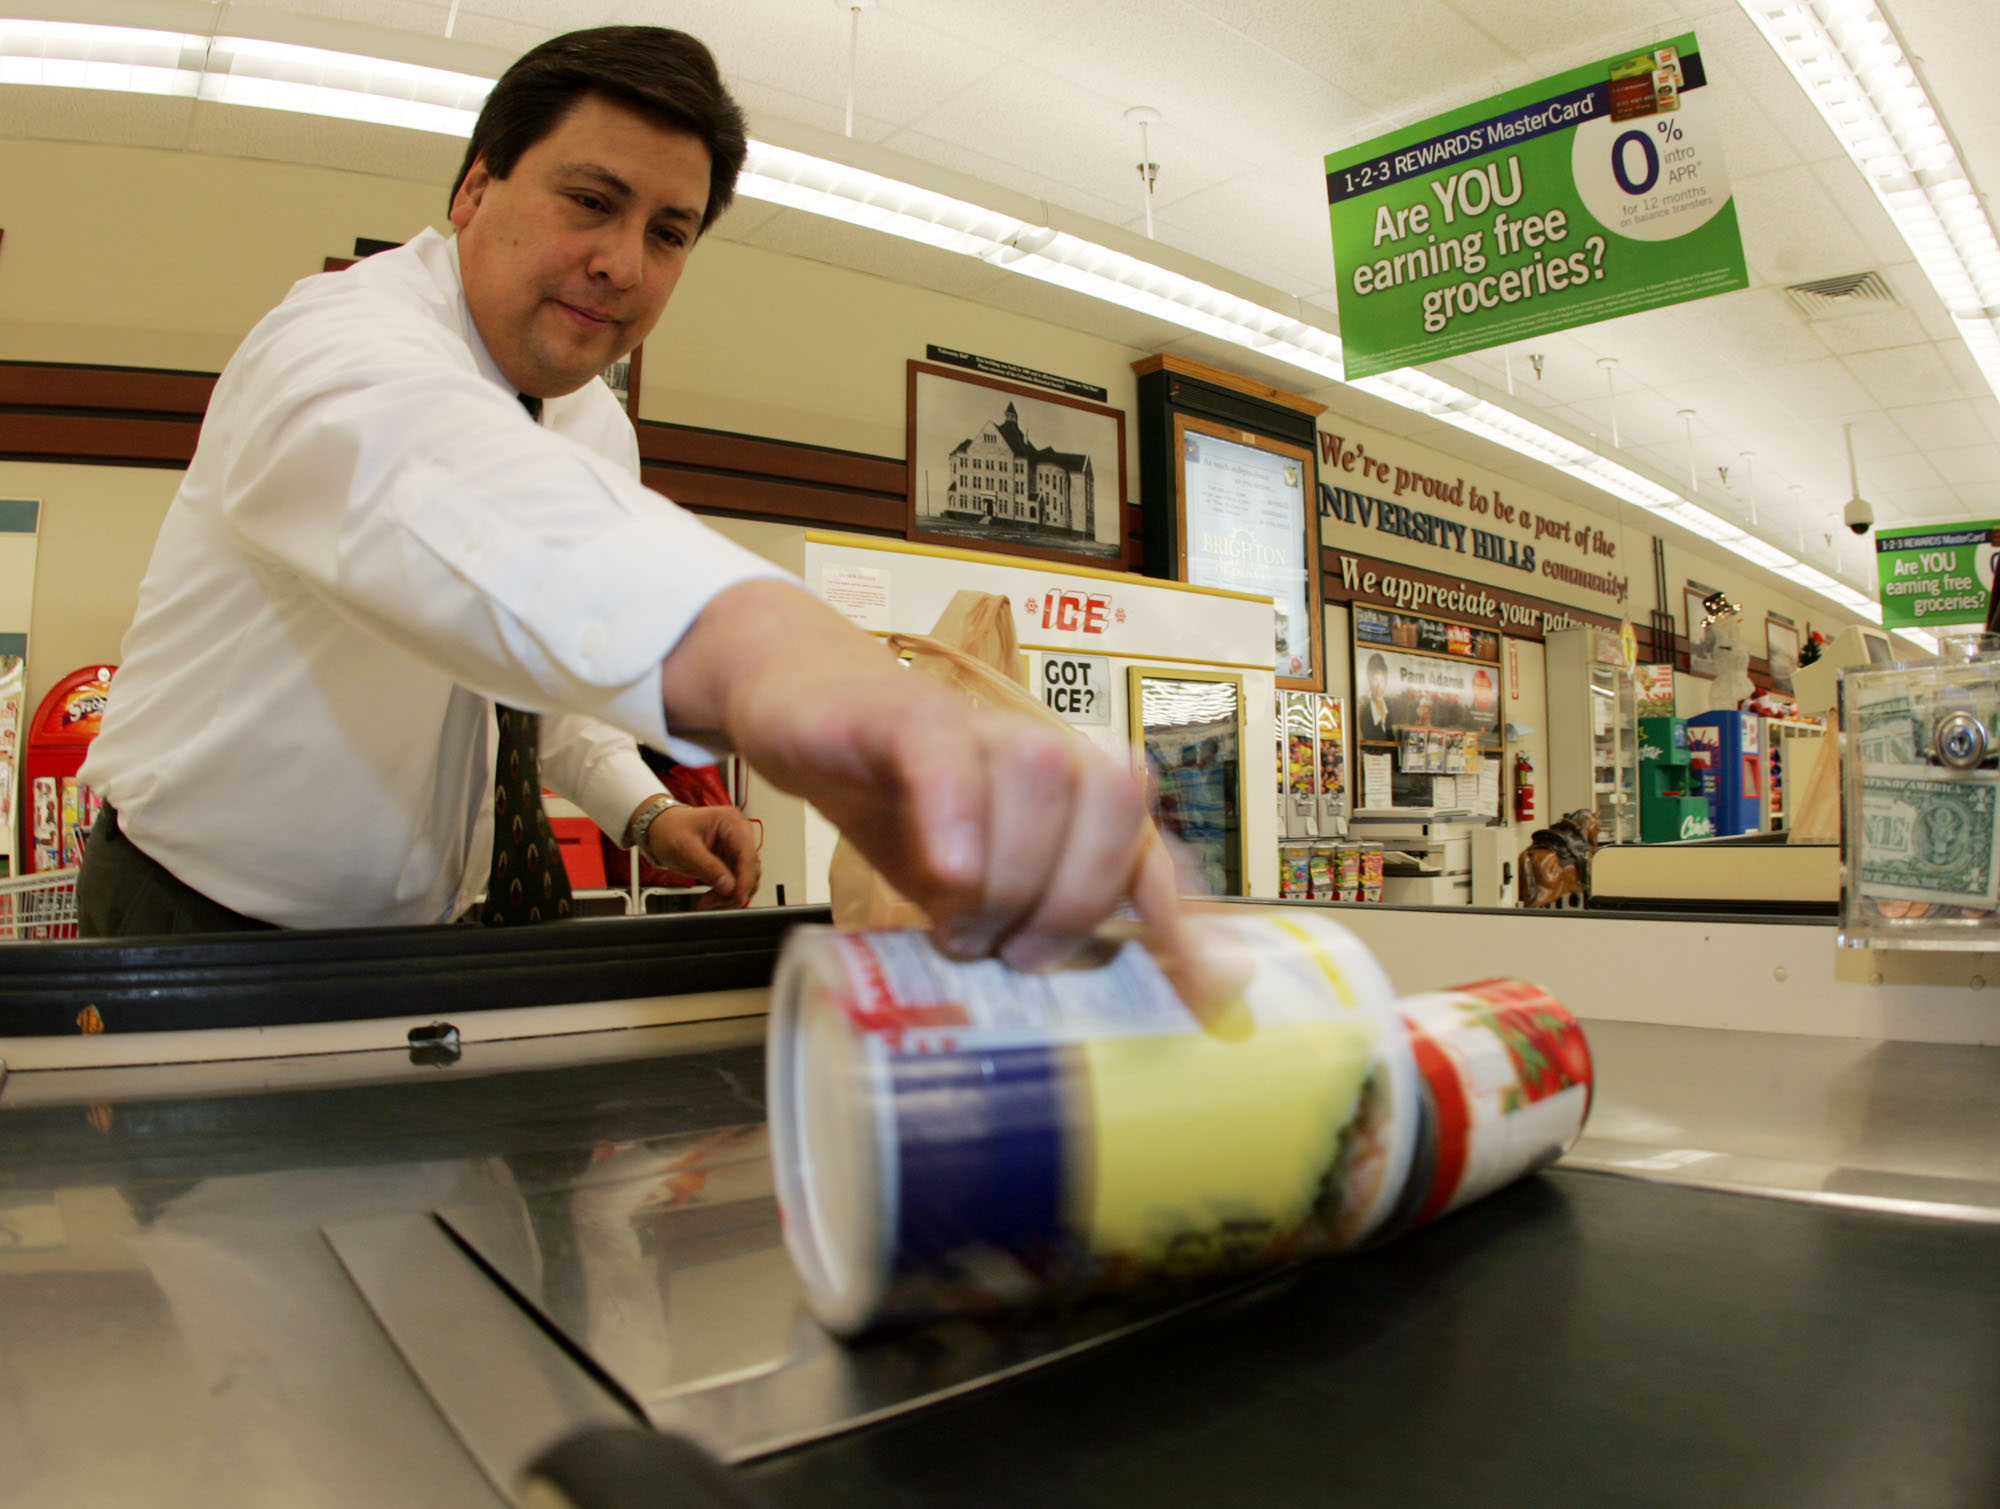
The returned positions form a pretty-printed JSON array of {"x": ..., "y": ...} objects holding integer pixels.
[
  {"x": 1877, "y": 330},
  {"x": 975, "y": 164},
  {"x": 1925, "y": 504},
  {"x": 1732, "y": 45},
  {"x": 1897, "y": 474},
  {"x": 1845, "y": 187},
  {"x": 1561, "y": 34},
  {"x": 40, "y": 113},
  {"x": 1020, "y": 27},
  {"x": 1406, "y": 61},
  {"x": 1210, "y": 81},
  {"x": 1971, "y": 379},
  {"x": 1287, "y": 228},
  {"x": 1966, "y": 466},
  {"x": 282, "y": 136},
  {"x": 1792, "y": 230},
  {"x": 501, "y": 34},
  {"x": 1073, "y": 136},
  {"x": 1751, "y": 144},
  {"x": 1753, "y": 328},
  {"x": 1937, "y": 426},
  {"x": 1921, "y": 299},
  {"x": 1905, "y": 374},
  {"x": 1826, "y": 390}
]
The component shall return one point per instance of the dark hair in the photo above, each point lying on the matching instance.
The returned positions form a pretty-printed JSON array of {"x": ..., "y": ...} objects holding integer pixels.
[
  {"x": 666, "y": 75},
  {"x": 1377, "y": 663}
]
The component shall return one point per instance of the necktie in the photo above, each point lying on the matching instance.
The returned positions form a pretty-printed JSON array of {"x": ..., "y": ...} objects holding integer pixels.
[{"x": 527, "y": 882}]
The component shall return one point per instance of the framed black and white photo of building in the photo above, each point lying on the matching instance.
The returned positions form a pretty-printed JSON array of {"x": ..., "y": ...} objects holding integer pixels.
[{"x": 1000, "y": 466}]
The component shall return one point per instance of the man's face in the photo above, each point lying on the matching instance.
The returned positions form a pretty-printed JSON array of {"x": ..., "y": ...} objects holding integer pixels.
[
  {"x": 1378, "y": 683},
  {"x": 570, "y": 259}
]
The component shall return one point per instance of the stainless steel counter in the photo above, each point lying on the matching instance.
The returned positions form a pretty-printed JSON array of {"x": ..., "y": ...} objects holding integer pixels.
[{"x": 350, "y": 1279}]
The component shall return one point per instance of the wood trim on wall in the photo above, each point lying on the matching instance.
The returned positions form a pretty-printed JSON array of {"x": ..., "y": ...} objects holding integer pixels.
[{"x": 137, "y": 416}]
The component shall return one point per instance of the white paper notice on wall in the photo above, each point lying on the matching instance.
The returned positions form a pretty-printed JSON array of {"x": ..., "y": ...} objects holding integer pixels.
[
  {"x": 1376, "y": 778},
  {"x": 860, "y": 593},
  {"x": 1489, "y": 789},
  {"x": 1076, "y": 688}
]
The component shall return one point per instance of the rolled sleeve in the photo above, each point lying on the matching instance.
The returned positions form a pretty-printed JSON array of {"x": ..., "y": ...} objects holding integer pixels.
[{"x": 598, "y": 767}]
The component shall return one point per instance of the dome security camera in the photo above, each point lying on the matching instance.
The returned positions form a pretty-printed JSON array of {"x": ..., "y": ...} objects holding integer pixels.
[{"x": 1859, "y": 515}]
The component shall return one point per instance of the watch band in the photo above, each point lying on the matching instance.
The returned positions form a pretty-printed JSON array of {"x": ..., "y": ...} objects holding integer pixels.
[{"x": 642, "y": 820}]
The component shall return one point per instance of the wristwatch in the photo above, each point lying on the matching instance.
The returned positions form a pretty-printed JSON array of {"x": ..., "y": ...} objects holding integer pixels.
[{"x": 642, "y": 820}]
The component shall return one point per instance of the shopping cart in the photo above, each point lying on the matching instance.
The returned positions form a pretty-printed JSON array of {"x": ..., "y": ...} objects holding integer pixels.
[{"x": 38, "y": 907}]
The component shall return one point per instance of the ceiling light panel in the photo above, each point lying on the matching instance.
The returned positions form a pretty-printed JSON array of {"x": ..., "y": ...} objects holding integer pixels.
[
  {"x": 125, "y": 59},
  {"x": 1846, "y": 57}
]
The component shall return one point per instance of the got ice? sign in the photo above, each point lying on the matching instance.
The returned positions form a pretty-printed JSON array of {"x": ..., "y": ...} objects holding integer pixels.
[{"x": 1077, "y": 688}]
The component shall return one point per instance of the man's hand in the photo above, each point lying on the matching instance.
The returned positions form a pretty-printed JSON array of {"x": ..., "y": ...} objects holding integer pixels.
[
  {"x": 1015, "y": 837},
  {"x": 715, "y": 845}
]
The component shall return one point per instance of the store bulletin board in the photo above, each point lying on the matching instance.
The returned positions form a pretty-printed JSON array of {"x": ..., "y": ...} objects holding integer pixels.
[
  {"x": 1427, "y": 717},
  {"x": 1228, "y": 487}
]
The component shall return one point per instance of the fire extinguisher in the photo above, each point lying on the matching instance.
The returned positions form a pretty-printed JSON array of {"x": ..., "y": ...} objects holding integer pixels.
[{"x": 1524, "y": 789}]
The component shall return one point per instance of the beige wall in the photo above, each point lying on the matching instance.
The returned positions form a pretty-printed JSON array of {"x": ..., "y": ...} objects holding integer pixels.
[
  {"x": 134, "y": 257},
  {"x": 97, "y": 529},
  {"x": 766, "y": 344}
]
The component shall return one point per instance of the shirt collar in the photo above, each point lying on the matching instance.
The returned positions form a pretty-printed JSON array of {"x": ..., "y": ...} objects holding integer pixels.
[{"x": 439, "y": 254}]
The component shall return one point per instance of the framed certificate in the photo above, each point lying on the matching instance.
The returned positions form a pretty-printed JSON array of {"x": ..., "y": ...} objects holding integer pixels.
[
  {"x": 1246, "y": 524},
  {"x": 999, "y": 466}
]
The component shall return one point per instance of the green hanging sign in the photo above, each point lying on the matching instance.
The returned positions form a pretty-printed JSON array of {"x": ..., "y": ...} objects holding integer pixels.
[
  {"x": 1598, "y": 192},
  {"x": 1936, "y": 575}
]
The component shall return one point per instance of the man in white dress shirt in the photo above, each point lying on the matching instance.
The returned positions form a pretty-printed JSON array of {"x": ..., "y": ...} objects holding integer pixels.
[{"x": 378, "y": 540}]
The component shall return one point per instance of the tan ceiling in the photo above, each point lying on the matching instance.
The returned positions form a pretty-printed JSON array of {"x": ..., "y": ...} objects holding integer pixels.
[{"x": 1030, "y": 95}]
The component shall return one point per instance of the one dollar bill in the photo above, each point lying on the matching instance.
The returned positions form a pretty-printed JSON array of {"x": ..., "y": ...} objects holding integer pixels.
[
  {"x": 1927, "y": 836},
  {"x": 1885, "y": 725}
]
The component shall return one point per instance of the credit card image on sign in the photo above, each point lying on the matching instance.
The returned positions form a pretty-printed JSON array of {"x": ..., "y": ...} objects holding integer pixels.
[{"x": 1653, "y": 177}]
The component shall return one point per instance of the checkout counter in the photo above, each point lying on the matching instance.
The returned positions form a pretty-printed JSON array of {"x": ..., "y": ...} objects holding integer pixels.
[{"x": 333, "y": 1219}]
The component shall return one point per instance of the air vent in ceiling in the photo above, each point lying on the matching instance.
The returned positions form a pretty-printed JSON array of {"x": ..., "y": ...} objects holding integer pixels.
[{"x": 1851, "y": 293}]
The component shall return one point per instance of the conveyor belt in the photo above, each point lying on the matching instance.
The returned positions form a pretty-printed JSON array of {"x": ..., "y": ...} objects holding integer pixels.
[{"x": 1578, "y": 1339}]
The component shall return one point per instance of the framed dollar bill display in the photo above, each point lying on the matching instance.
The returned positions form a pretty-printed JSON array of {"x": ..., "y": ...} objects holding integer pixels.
[
  {"x": 1922, "y": 806},
  {"x": 1188, "y": 726}
]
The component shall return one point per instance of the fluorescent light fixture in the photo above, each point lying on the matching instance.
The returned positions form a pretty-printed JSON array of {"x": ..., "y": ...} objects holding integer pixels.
[
  {"x": 126, "y": 59},
  {"x": 346, "y": 86},
  {"x": 1847, "y": 58},
  {"x": 312, "y": 81}
]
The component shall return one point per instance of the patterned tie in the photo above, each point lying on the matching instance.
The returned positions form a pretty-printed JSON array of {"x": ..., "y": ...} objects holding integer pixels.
[{"x": 527, "y": 882}]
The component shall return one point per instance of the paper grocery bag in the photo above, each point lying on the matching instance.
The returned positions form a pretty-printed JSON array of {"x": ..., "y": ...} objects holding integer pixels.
[
  {"x": 974, "y": 648},
  {"x": 1816, "y": 814}
]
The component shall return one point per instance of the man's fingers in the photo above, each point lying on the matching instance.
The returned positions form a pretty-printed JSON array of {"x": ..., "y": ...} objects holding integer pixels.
[
  {"x": 942, "y": 768},
  {"x": 1206, "y": 978},
  {"x": 1105, "y": 818},
  {"x": 1030, "y": 814}
]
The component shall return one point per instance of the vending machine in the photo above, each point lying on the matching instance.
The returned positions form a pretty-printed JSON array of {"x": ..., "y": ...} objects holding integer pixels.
[
  {"x": 1725, "y": 750},
  {"x": 60, "y": 808}
]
